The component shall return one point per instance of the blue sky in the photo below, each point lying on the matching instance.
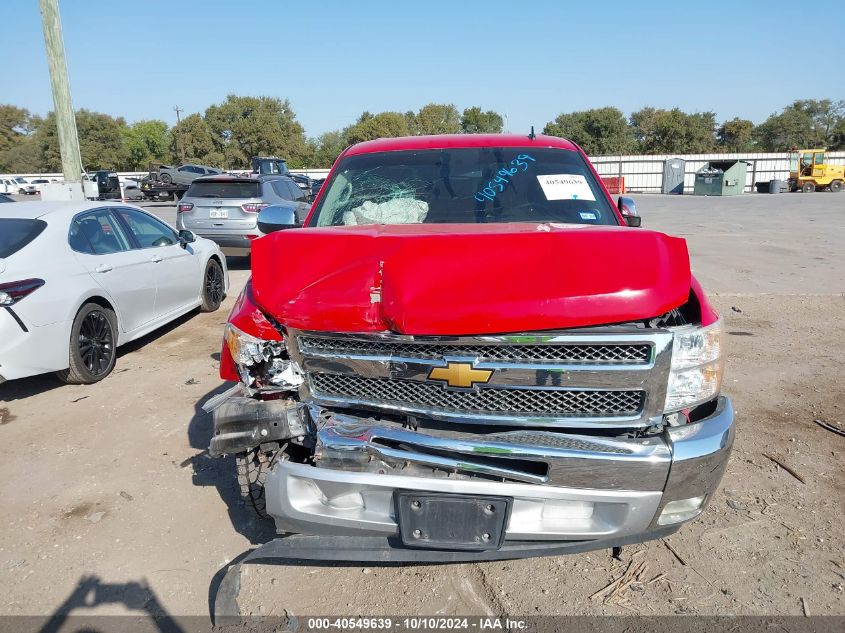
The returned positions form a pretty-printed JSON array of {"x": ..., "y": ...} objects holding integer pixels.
[{"x": 333, "y": 59}]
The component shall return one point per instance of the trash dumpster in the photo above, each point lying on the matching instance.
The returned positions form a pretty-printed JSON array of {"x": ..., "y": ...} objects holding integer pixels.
[
  {"x": 673, "y": 175},
  {"x": 721, "y": 178}
]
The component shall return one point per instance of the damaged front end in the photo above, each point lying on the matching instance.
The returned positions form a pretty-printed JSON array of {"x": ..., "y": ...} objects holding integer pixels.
[{"x": 532, "y": 443}]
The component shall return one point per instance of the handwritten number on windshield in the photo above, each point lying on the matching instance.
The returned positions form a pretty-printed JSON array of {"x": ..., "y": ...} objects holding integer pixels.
[{"x": 503, "y": 176}]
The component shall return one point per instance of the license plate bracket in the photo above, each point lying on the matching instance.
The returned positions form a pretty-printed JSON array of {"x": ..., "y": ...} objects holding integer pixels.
[
  {"x": 451, "y": 521},
  {"x": 218, "y": 214}
]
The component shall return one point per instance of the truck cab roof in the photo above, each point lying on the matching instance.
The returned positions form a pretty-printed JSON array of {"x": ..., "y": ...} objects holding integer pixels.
[{"x": 443, "y": 141}]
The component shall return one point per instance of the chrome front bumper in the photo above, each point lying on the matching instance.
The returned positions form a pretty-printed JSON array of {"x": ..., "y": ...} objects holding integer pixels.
[{"x": 592, "y": 489}]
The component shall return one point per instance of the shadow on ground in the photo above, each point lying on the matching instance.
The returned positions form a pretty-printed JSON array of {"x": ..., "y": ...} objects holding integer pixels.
[
  {"x": 220, "y": 472},
  {"x": 91, "y": 592},
  {"x": 238, "y": 263}
]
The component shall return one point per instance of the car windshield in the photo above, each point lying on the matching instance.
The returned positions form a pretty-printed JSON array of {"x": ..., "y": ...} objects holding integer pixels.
[
  {"x": 466, "y": 185},
  {"x": 21, "y": 180},
  {"x": 224, "y": 189},
  {"x": 15, "y": 233}
]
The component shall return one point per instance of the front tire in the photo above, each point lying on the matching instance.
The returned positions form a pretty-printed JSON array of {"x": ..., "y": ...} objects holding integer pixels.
[
  {"x": 166, "y": 178},
  {"x": 808, "y": 187},
  {"x": 253, "y": 467},
  {"x": 213, "y": 286},
  {"x": 837, "y": 186},
  {"x": 93, "y": 346}
]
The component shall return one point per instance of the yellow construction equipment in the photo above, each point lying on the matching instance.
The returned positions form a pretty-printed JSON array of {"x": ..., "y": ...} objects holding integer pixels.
[{"x": 809, "y": 172}]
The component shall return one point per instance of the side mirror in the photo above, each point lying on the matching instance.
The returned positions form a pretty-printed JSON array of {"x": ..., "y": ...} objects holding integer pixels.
[
  {"x": 628, "y": 208},
  {"x": 276, "y": 218},
  {"x": 186, "y": 237}
]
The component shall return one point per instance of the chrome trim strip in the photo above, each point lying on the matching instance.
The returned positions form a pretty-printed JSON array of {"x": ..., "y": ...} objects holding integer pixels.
[
  {"x": 650, "y": 378},
  {"x": 590, "y": 462},
  {"x": 505, "y": 376}
]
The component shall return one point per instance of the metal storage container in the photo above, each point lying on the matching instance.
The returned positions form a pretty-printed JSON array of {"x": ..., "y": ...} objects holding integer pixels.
[{"x": 721, "y": 178}]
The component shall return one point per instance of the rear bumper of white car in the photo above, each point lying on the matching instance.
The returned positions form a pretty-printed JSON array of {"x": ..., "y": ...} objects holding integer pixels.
[{"x": 27, "y": 350}]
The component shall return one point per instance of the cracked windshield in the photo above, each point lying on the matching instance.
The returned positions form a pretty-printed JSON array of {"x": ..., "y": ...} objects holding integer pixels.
[{"x": 465, "y": 185}]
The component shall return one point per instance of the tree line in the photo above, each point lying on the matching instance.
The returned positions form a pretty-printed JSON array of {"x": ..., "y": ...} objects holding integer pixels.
[{"x": 227, "y": 134}]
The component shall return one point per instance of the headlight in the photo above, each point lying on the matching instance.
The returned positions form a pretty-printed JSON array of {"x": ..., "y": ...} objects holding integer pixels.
[
  {"x": 261, "y": 363},
  {"x": 697, "y": 366}
]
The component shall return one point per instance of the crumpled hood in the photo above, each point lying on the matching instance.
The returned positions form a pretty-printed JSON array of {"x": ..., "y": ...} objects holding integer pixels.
[{"x": 429, "y": 279}]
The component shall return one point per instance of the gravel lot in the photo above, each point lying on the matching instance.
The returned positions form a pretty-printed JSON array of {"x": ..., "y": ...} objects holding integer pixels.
[{"x": 107, "y": 486}]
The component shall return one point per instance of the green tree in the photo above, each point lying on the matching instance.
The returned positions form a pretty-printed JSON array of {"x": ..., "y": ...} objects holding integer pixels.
[
  {"x": 735, "y": 135},
  {"x": 475, "y": 121},
  {"x": 838, "y": 141},
  {"x": 328, "y": 147},
  {"x": 436, "y": 118},
  {"x": 198, "y": 142},
  {"x": 673, "y": 131},
  {"x": 18, "y": 152},
  {"x": 381, "y": 125},
  {"x": 146, "y": 142},
  {"x": 101, "y": 143},
  {"x": 252, "y": 126},
  {"x": 805, "y": 124},
  {"x": 599, "y": 132}
]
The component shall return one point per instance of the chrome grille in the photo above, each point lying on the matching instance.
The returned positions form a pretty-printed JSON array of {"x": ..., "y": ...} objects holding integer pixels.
[
  {"x": 611, "y": 353},
  {"x": 528, "y": 402}
]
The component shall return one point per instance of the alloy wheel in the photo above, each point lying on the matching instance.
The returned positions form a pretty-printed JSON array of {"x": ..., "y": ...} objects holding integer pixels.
[{"x": 96, "y": 343}]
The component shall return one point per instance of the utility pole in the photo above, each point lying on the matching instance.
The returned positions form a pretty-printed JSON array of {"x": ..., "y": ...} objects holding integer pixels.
[
  {"x": 180, "y": 148},
  {"x": 65, "y": 121}
]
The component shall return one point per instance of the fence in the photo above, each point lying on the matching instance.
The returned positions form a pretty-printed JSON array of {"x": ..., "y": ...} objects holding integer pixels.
[{"x": 642, "y": 174}]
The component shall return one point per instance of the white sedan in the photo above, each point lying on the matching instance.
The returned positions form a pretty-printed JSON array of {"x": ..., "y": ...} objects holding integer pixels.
[{"x": 79, "y": 279}]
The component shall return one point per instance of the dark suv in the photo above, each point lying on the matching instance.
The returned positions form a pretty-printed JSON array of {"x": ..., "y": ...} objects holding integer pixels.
[{"x": 225, "y": 208}]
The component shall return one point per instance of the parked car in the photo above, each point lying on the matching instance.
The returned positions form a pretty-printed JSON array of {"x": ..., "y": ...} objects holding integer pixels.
[
  {"x": 5, "y": 198},
  {"x": 316, "y": 185},
  {"x": 77, "y": 280},
  {"x": 225, "y": 208},
  {"x": 18, "y": 185},
  {"x": 38, "y": 183},
  {"x": 108, "y": 184},
  {"x": 303, "y": 182},
  {"x": 132, "y": 191},
  {"x": 185, "y": 174},
  {"x": 469, "y": 352}
]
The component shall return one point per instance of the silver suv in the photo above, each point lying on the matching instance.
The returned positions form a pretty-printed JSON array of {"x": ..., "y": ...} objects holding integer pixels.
[{"x": 225, "y": 208}]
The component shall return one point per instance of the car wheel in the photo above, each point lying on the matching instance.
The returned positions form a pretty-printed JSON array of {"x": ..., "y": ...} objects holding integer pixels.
[
  {"x": 93, "y": 345},
  {"x": 166, "y": 178},
  {"x": 213, "y": 286},
  {"x": 837, "y": 185},
  {"x": 252, "y": 473},
  {"x": 808, "y": 187}
]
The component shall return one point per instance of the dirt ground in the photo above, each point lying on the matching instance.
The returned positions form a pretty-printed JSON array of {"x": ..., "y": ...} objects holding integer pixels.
[{"x": 111, "y": 506}]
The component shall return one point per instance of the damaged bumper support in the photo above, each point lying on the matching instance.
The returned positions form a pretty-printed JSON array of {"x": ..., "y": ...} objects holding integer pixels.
[
  {"x": 559, "y": 488},
  {"x": 242, "y": 423}
]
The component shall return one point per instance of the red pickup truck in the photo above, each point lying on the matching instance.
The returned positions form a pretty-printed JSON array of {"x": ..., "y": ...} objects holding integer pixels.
[{"x": 469, "y": 352}]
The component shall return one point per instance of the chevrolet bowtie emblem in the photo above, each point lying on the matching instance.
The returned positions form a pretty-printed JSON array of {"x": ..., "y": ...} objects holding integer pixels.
[{"x": 460, "y": 374}]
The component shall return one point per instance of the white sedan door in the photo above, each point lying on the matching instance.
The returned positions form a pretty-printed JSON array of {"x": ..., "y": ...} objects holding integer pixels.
[
  {"x": 127, "y": 275},
  {"x": 177, "y": 269}
]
